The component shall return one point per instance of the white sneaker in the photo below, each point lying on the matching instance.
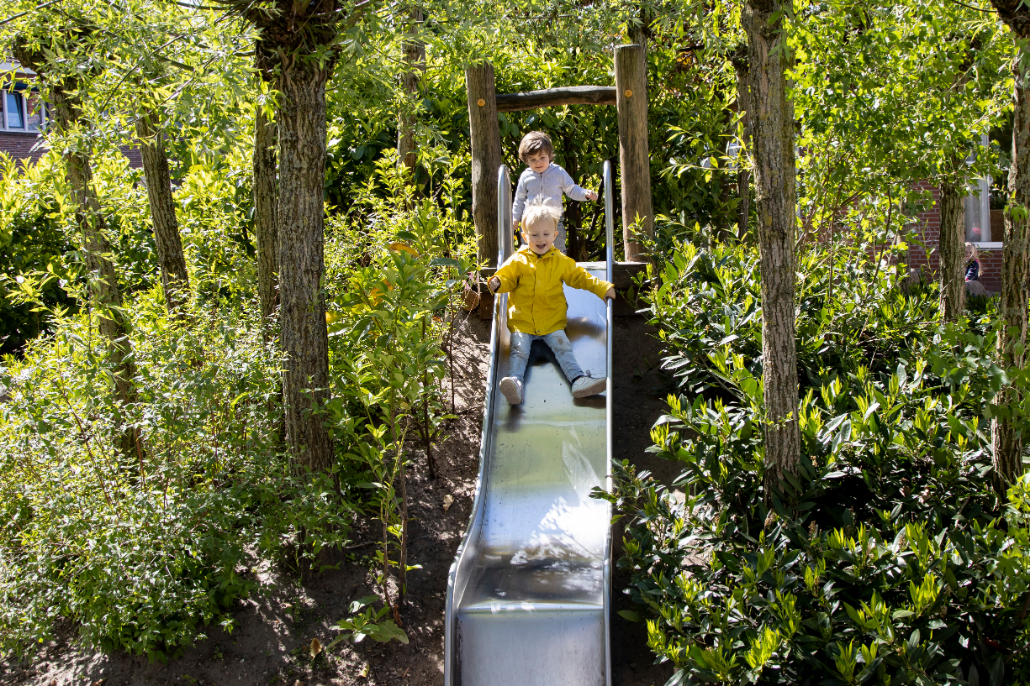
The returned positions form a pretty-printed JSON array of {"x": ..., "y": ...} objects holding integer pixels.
[
  {"x": 585, "y": 386},
  {"x": 512, "y": 389}
]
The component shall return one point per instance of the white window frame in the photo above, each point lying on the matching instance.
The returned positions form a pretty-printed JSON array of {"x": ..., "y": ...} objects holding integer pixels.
[{"x": 27, "y": 129}]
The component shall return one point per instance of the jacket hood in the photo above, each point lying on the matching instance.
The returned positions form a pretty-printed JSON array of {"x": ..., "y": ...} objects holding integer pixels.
[{"x": 526, "y": 250}]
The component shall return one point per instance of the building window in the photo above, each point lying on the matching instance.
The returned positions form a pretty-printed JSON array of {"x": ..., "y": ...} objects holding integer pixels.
[
  {"x": 21, "y": 113},
  {"x": 14, "y": 108},
  {"x": 978, "y": 212},
  {"x": 35, "y": 114},
  {"x": 977, "y": 206}
]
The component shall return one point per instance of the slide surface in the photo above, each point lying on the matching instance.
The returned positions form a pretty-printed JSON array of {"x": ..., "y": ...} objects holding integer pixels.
[{"x": 527, "y": 596}]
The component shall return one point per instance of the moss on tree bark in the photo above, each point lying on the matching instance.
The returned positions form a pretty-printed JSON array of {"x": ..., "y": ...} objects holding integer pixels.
[
  {"x": 305, "y": 343},
  {"x": 170, "y": 257},
  {"x": 772, "y": 122},
  {"x": 952, "y": 248}
]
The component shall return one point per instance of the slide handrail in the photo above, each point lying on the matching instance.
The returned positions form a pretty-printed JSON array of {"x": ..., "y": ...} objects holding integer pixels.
[
  {"x": 505, "y": 229},
  {"x": 505, "y": 248},
  {"x": 609, "y": 219},
  {"x": 609, "y": 231}
]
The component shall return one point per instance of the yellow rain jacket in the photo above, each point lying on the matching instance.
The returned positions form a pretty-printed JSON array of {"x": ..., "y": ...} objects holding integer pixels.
[{"x": 537, "y": 302}]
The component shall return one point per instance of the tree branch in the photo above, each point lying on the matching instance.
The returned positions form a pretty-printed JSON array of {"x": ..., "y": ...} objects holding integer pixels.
[
  {"x": 978, "y": 9},
  {"x": 196, "y": 7},
  {"x": 22, "y": 14}
]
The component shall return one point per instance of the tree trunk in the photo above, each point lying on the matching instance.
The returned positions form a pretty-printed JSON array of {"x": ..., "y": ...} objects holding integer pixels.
[
  {"x": 105, "y": 294},
  {"x": 773, "y": 131},
  {"x": 743, "y": 172},
  {"x": 414, "y": 56},
  {"x": 174, "y": 278},
  {"x": 953, "y": 251},
  {"x": 302, "y": 154},
  {"x": 266, "y": 223},
  {"x": 1015, "y": 271}
]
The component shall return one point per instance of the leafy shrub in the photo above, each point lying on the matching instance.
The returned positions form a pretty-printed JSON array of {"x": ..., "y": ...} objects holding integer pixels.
[
  {"x": 141, "y": 552},
  {"x": 215, "y": 209},
  {"x": 398, "y": 261},
  {"x": 31, "y": 243},
  {"x": 707, "y": 308},
  {"x": 886, "y": 558},
  {"x": 144, "y": 551}
]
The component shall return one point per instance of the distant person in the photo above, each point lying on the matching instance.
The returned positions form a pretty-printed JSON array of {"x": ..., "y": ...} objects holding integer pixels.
[
  {"x": 544, "y": 181},
  {"x": 973, "y": 271},
  {"x": 537, "y": 308}
]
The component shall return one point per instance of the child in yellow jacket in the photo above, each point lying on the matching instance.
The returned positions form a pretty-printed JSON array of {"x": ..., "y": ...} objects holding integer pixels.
[{"x": 536, "y": 307}]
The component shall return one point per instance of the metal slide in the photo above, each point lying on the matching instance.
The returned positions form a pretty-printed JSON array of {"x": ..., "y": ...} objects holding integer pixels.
[{"x": 527, "y": 594}]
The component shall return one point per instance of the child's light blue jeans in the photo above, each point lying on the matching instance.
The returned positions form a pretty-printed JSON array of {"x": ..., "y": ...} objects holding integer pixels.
[
  {"x": 559, "y": 344},
  {"x": 559, "y": 237}
]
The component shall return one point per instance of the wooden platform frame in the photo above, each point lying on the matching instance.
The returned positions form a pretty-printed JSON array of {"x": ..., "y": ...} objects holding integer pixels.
[{"x": 629, "y": 95}]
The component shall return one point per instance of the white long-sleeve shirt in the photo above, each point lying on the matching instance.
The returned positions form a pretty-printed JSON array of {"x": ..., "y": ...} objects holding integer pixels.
[{"x": 549, "y": 184}]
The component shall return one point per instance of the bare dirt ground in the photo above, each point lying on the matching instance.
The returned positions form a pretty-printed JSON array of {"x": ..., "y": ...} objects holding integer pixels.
[{"x": 274, "y": 628}]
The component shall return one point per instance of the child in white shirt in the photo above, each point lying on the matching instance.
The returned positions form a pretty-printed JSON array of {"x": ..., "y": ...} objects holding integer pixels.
[{"x": 544, "y": 181}]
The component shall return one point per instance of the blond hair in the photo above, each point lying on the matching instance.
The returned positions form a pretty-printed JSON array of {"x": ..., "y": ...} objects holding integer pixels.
[
  {"x": 539, "y": 210},
  {"x": 534, "y": 142},
  {"x": 974, "y": 254}
]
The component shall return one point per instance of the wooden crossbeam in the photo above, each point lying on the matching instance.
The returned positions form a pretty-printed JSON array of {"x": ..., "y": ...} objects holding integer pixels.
[{"x": 554, "y": 97}]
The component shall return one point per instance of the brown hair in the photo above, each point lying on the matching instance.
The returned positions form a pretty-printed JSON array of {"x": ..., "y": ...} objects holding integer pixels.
[{"x": 534, "y": 142}]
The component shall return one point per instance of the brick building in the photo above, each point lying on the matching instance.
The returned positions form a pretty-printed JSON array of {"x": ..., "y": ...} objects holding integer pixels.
[
  {"x": 987, "y": 236},
  {"x": 23, "y": 117}
]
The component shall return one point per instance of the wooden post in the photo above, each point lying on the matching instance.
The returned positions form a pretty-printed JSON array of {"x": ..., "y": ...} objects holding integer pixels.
[
  {"x": 486, "y": 156},
  {"x": 634, "y": 159}
]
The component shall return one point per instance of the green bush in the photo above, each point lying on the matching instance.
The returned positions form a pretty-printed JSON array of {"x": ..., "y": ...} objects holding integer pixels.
[
  {"x": 31, "y": 243},
  {"x": 707, "y": 308},
  {"x": 886, "y": 558},
  {"x": 398, "y": 263},
  {"x": 141, "y": 552},
  {"x": 144, "y": 551},
  {"x": 215, "y": 212}
]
